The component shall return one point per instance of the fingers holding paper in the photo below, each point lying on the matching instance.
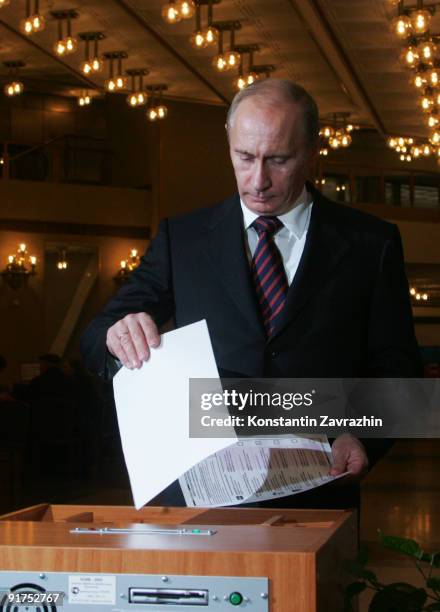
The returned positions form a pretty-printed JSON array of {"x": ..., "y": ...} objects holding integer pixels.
[
  {"x": 131, "y": 338},
  {"x": 349, "y": 455}
]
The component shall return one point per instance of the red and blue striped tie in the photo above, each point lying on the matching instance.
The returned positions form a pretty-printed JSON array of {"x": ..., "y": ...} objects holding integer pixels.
[{"x": 268, "y": 272}]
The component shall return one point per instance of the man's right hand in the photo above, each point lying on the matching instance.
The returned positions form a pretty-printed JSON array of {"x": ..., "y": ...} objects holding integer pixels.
[{"x": 130, "y": 339}]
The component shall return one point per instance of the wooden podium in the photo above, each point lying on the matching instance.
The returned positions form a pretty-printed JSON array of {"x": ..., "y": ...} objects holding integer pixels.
[{"x": 300, "y": 551}]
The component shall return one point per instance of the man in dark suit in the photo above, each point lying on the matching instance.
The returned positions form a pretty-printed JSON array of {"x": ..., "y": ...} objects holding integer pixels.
[{"x": 290, "y": 283}]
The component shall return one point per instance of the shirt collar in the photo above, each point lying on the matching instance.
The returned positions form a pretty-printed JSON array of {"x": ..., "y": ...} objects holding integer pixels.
[{"x": 295, "y": 219}]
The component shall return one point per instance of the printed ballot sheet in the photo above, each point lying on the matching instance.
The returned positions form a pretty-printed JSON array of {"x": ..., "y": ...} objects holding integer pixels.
[
  {"x": 258, "y": 469},
  {"x": 152, "y": 408}
]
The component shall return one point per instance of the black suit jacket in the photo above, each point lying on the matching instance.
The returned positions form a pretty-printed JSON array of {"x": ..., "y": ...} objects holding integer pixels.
[{"x": 347, "y": 314}]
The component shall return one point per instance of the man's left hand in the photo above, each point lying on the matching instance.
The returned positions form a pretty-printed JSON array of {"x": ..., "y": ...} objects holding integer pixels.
[{"x": 349, "y": 455}]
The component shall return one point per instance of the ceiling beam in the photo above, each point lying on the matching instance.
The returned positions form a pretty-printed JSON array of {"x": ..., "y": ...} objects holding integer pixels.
[{"x": 332, "y": 51}]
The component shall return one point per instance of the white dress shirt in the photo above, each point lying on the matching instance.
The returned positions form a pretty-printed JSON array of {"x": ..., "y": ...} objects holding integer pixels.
[{"x": 290, "y": 239}]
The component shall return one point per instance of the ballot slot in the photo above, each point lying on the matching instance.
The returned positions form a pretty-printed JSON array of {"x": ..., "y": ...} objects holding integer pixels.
[{"x": 179, "y": 597}]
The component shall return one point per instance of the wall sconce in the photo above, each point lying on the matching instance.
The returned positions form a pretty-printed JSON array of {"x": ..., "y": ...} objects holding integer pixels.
[
  {"x": 138, "y": 96},
  {"x": 65, "y": 44},
  {"x": 34, "y": 22},
  {"x": 91, "y": 64},
  {"x": 4, "y": 3},
  {"x": 19, "y": 267},
  {"x": 118, "y": 81},
  {"x": 127, "y": 266},
  {"x": 14, "y": 87}
]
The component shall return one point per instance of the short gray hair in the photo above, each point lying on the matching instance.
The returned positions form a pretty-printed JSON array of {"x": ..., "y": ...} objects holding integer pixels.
[{"x": 272, "y": 90}]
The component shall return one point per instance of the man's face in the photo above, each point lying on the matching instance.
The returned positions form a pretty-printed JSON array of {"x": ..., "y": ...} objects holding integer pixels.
[{"x": 270, "y": 155}]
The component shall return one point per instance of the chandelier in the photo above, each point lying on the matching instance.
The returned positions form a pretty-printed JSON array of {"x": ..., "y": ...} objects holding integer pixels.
[
  {"x": 336, "y": 133},
  {"x": 20, "y": 266}
]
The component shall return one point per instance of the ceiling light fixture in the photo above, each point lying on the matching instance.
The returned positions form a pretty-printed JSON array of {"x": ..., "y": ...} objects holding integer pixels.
[
  {"x": 33, "y": 22},
  {"x": 171, "y": 13},
  {"x": 115, "y": 82},
  {"x": 225, "y": 61},
  {"x": 244, "y": 79},
  {"x": 91, "y": 63},
  {"x": 186, "y": 8},
  {"x": 156, "y": 109},
  {"x": 14, "y": 87},
  {"x": 138, "y": 95},
  {"x": 19, "y": 267},
  {"x": 67, "y": 44},
  {"x": 85, "y": 99}
]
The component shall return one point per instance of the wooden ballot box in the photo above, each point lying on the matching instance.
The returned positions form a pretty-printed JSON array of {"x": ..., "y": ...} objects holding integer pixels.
[{"x": 110, "y": 558}]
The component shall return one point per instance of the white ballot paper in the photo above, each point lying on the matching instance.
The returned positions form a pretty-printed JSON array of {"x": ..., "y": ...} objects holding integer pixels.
[
  {"x": 257, "y": 469},
  {"x": 152, "y": 408},
  {"x": 152, "y": 405}
]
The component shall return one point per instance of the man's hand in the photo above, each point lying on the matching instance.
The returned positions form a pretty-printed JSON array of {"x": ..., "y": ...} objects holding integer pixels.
[
  {"x": 130, "y": 339},
  {"x": 349, "y": 455}
]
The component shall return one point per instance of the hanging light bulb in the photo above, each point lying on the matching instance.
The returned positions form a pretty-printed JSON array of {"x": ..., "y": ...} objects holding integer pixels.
[
  {"x": 420, "y": 21},
  {"x": 91, "y": 63},
  {"x": 197, "y": 39},
  {"x": 416, "y": 152},
  {"x": 4, "y": 3},
  {"x": 433, "y": 77},
  {"x": 426, "y": 51},
  {"x": 435, "y": 138},
  {"x": 419, "y": 80},
  {"x": 171, "y": 13},
  {"x": 432, "y": 121},
  {"x": 186, "y": 8},
  {"x": 326, "y": 131},
  {"x": 211, "y": 35},
  {"x": 161, "y": 111},
  {"x": 115, "y": 82},
  {"x": 84, "y": 99},
  {"x": 219, "y": 62},
  {"x": 426, "y": 150},
  {"x": 346, "y": 140},
  {"x": 59, "y": 48},
  {"x": 410, "y": 56},
  {"x": 152, "y": 114},
  {"x": 401, "y": 26},
  {"x": 71, "y": 44},
  {"x": 240, "y": 82},
  {"x": 392, "y": 142},
  {"x": 26, "y": 26},
  {"x": 427, "y": 104}
]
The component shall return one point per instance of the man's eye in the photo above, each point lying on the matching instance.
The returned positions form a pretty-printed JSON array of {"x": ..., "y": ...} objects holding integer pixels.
[
  {"x": 279, "y": 161},
  {"x": 246, "y": 157}
]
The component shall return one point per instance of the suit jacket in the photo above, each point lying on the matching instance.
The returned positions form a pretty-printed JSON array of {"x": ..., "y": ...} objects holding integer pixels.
[{"x": 347, "y": 314}]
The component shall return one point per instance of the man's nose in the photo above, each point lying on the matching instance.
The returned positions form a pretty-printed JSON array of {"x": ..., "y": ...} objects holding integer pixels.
[{"x": 261, "y": 176}]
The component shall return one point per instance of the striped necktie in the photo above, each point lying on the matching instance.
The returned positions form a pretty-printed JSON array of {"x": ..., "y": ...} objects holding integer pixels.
[{"x": 268, "y": 272}]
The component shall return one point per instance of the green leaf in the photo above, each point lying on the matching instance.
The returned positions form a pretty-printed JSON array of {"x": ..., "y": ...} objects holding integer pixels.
[
  {"x": 399, "y": 597},
  {"x": 402, "y": 545},
  {"x": 353, "y": 589},
  {"x": 433, "y": 583}
]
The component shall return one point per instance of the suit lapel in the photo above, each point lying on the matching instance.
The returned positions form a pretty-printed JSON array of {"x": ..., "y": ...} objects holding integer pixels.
[
  {"x": 324, "y": 248},
  {"x": 225, "y": 249}
]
